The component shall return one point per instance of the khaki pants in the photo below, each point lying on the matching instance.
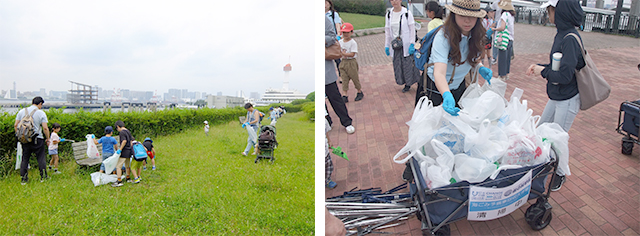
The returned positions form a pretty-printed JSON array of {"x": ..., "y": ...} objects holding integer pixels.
[{"x": 349, "y": 71}]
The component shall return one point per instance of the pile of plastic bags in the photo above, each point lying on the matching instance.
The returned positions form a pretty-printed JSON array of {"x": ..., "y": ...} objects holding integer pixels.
[{"x": 489, "y": 135}]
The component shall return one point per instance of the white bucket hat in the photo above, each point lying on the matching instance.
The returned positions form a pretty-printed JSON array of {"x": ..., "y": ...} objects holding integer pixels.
[{"x": 552, "y": 3}]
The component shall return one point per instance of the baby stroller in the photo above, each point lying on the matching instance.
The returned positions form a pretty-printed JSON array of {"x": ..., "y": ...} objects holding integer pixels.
[{"x": 266, "y": 143}]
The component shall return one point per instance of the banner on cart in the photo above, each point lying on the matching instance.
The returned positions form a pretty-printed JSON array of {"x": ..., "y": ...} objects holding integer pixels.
[{"x": 493, "y": 203}]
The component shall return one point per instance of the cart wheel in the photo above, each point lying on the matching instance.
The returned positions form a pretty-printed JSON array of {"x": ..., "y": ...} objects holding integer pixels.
[
  {"x": 443, "y": 231},
  {"x": 627, "y": 146},
  {"x": 256, "y": 161},
  {"x": 535, "y": 216}
]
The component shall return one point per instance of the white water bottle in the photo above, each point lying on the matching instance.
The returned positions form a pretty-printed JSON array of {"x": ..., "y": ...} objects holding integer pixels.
[{"x": 555, "y": 64}]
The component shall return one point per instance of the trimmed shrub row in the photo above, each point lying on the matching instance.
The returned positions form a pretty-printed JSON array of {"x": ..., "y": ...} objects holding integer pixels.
[{"x": 369, "y": 7}]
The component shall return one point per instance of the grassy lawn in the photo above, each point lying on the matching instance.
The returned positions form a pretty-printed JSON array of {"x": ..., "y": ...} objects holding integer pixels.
[
  {"x": 202, "y": 186},
  {"x": 361, "y": 21}
]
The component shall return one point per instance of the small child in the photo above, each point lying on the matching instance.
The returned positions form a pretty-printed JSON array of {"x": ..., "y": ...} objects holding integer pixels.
[
  {"x": 206, "y": 128},
  {"x": 53, "y": 147},
  {"x": 273, "y": 116},
  {"x": 151, "y": 152},
  {"x": 109, "y": 145},
  {"x": 349, "y": 65},
  {"x": 136, "y": 167}
]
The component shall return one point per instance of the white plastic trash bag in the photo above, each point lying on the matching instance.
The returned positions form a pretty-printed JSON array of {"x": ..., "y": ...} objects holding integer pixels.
[
  {"x": 18, "y": 156},
  {"x": 525, "y": 148},
  {"x": 111, "y": 162},
  {"x": 101, "y": 178},
  {"x": 273, "y": 122},
  {"x": 559, "y": 140},
  {"x": 489, "y": 105},
  {"x": 490, "y": 143},
  {"x": 92, "y": 149},
  {"x": 438, "y": 174},
  {"x": 474, "y": 170},
  {"x": 422, "y": 126},
  {"x": 252, "y": 133}
]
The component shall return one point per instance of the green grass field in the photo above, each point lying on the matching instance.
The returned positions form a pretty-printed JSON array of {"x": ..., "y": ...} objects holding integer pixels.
[
  {"x": 202, "y": 186},
  {"x": 362, "y": 21}
]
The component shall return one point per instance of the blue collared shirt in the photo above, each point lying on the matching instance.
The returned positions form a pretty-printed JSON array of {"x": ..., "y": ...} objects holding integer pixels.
[{"x": 440, "y": 53}]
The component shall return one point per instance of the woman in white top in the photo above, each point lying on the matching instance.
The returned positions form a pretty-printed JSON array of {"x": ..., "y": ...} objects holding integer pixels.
[
  {"x": 399, "y": 22},
  {"x": 506, "y": 21}
]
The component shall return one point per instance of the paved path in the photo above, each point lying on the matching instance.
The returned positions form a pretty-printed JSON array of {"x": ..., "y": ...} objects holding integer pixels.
[{"x": 602, "y": 197}]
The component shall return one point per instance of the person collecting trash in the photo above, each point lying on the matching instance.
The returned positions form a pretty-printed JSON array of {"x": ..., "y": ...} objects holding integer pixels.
[{"x": 253, "y": 121}]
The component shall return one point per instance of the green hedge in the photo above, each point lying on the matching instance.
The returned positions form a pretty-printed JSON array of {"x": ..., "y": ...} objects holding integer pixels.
[{"x": 369, "y": 7}]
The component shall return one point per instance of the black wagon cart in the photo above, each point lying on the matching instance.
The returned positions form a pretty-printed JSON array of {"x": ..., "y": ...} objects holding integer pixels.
[
  {"x": 628, "y": 125},
  {"x": 439, "y": 207}
]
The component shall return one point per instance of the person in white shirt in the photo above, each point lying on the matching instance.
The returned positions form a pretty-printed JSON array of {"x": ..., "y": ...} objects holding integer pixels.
[
  {"x": 206, "y": 128},
  {"x": 349, "y": 66},
  {"x": 506, "y": 21},
  {"x": 37, "y": 146},
  {"x": 399, "y": 23}
]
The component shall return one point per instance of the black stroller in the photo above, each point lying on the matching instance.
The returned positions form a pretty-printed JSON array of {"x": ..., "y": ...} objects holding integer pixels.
[
  {"x": 267, "y": 143},
  {"x": 629, "y": 125}
]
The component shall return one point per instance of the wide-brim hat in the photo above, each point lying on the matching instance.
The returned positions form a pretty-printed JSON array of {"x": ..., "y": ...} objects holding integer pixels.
[
  {"x": 467, "y": 8},
  {"x": 506, "y": 5},
  {"x": 552, "y": 3}
]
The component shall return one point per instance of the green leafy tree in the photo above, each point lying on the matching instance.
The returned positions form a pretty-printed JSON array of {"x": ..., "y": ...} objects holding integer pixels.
[{"x": 312, "y": 96}]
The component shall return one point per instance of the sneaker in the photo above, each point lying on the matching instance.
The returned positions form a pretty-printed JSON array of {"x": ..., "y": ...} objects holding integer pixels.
[
  {"x": 50, "y": 167},
  {"x": 57, "y": 172},
  {"x": 144, "y": 168},
  {"x": 359, "y": 96},
  {"x": 23, "y": 182},
  {"x": 331, "y": 184},
  {"x": 117, "y": 184},
  {"x": 406, "y": 89},
  {"x": 153, "y": 168},
  {"x": 136, "y": 181},
  {"x": 345, "y": 99},
  {"x": 350, "y": 129},
  {"x": 493, "y": 61},
  {"x": 556, "y": 182},
  {"x": 244, "y": 154}
]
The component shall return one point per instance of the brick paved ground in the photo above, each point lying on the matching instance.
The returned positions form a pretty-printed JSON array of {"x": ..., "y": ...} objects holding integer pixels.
[{"x": 602, "y": 197}]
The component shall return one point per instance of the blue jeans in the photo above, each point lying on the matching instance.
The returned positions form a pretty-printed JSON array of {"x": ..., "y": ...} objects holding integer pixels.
[
  {"x": 562, "y": 113},
  {"x": 250, "y": 143},
  {"x": 105, "y": 155}
]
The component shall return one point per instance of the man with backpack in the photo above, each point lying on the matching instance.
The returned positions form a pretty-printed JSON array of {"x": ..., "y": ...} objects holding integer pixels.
[{"x": 29, "y": 132}]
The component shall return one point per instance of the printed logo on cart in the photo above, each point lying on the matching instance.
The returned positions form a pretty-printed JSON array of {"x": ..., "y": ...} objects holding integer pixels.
[{"x": 508, "y": 192}]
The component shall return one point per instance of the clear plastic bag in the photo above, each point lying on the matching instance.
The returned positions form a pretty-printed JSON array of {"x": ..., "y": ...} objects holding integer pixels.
[
  {"x": 92, "y": 149},
  {"x": 101, "y": 178},
  {"x": 439, "y": 174},
  {"x": 472, "y": 169},
  {"x": 252, "y": 133},
  {"x": 559, "y": 140},
  {"x": 525, "y": 147},
  {"x": 111, "y": 162},
  {"x": 489, "y": 105},
  {"x": 490, "y": 143},
  {"x": 422, "y": 126},
  {"x": 18, "y": 156}
]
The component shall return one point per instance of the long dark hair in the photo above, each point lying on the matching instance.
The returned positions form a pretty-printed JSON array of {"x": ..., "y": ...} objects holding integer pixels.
[
  {"x": 453, "y": 33},
  {"x": 332, "y": 9},
  {"x": 435, "y": 8}
]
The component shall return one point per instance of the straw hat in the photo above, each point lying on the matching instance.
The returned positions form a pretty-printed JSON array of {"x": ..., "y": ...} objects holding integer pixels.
[
  {"x": 467, "y": 8},
  {"x": 506, "y": 5}
]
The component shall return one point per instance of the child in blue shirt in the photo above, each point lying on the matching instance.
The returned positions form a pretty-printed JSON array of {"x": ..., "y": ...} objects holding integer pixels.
[{"x": 109, "y": 145}]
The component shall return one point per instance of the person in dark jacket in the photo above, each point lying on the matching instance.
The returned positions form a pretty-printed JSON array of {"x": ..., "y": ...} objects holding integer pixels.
[{"x": 562, "y": 87}]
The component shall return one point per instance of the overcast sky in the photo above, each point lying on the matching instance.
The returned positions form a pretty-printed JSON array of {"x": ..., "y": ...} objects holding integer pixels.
[{"x": 205, "y": 46}]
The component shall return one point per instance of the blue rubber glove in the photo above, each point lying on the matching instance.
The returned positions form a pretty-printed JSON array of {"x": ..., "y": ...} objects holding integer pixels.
[
  {"x": 449, "y": 104},
  {"x": 119, "y": 151},
  {"x": 62, "y": 140},
  {"x": 411, "y": 49},
  {"x": 489, "y": 33},
  {"x": 93, "y": 136},
  {"x": 243, "y": 125},
  {"x": 386, "y": 51},
  {"x": 338, "y": 37},
  {"x": 486, "y": 73}
]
